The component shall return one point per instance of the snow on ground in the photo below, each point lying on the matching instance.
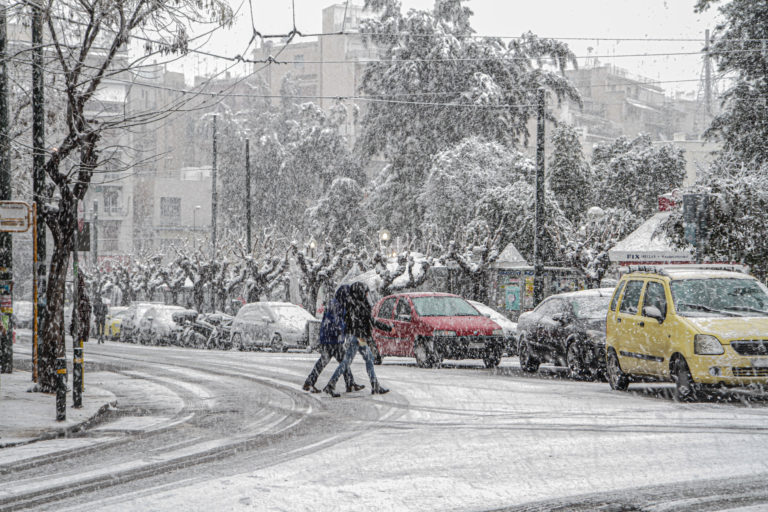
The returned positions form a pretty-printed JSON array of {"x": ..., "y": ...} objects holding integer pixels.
[{"x": 468, "y": 439}]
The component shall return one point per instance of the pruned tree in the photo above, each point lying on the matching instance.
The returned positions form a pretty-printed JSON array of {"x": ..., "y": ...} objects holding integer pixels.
[
  {"x": 475, "y": 257},
  {"x": 318, "y": 271},
  {"x": 88, "y": 40},
  {"x": 408, "y": 272}
]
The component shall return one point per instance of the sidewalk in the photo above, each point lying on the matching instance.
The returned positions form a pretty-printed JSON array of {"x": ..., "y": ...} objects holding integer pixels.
[{"x": 26, "y": 417}]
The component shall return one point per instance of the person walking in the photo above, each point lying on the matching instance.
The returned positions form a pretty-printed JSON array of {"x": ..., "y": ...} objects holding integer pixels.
[
  {"x": 81, "y": 308},
  {"x": 358, "y": 323},
  {"x": 100, "y": 316},
  {"x": 331, "y": 342}
]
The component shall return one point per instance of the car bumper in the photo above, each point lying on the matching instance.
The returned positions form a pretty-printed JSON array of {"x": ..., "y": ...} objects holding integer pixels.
[
  {"x": 468, "y": 347},
  {"x": 729, "y": 369}
]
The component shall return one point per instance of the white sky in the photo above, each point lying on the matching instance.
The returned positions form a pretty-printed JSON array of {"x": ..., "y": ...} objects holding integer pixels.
[{"x": 604, "y": 20}]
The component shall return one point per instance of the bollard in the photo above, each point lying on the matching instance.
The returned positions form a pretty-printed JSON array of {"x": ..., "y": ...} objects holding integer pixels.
[
  {"x": 61, "y": 389},
  {"x": 77, "y": 378}
]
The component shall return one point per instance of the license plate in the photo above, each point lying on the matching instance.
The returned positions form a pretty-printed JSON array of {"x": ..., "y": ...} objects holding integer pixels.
[
  {"x": 760, "y": 363},
  {"x": 476, "y": 345}
]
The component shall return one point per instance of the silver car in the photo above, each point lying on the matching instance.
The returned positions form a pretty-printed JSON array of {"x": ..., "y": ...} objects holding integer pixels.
[
  {"x": 158, "y": 326},
  {"x": 278, "y": 325}
]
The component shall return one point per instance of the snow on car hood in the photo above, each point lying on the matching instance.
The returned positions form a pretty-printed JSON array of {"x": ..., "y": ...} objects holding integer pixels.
[
  {"x": 463, "y": 325},
  {"x": 741, "y": 328}
]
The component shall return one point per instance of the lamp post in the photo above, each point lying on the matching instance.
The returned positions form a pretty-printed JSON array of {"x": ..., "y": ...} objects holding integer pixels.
[
  {"x": 194, "y": 223},
  {"x": 384, "y": 238},
  {"x": 312, "y": 247}
]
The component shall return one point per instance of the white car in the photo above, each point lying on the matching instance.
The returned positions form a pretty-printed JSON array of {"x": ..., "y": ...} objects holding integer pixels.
[
  {"x": 279, "y": 325},
  {"x": 508, "y": 326},
  {"x": 157, "y": 326},
  {"x": 129, "y": 328}
]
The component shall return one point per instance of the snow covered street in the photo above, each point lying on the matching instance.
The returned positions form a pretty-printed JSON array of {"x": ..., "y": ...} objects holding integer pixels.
[{"x": 457, "y": 438}]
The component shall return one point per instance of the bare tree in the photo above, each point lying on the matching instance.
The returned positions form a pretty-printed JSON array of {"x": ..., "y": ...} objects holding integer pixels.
[
  {"x": 317, "y": 271},
  {"x": 89, "y": 39}
]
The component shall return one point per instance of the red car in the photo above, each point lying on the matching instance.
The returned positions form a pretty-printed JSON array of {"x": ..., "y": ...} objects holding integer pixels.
[{"x": 432, "y": 326}]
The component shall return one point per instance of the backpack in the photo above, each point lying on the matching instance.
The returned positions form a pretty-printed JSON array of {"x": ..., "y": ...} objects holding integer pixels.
[{"x": 332, "y": 326}]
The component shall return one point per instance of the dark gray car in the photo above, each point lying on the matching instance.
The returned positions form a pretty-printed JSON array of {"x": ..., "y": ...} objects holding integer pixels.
[{"x": 567, "y": 329}]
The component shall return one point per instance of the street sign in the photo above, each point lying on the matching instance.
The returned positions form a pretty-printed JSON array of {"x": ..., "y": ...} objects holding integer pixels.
[{"x": 14, "y": 216}]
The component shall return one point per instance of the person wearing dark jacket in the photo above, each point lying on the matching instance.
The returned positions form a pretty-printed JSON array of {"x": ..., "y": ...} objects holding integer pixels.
[
  {"x": 358, "y": 323},
  {"x": 81, "y": 308},
  {"x": 100, "y": 316},
  {"x": 331, "y": 342}
]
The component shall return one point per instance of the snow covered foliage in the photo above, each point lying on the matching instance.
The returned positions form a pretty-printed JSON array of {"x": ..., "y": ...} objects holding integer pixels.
[
  {"x": 340, "y": 214},
  {"x": 406, "y": 271},
  {"x": 737, "y": 217},
  {"x": 738, "y": 48},
  {"x": 475, "y": 257},
  {"x": 631, "y": 174},
  {"x": 587, "y": 250},
  {"x": 436, "y": 85},
  {"x": 296, "y": 151},
  {"x": 459, "y": 179},
  {"x": 569, "y": 175}
]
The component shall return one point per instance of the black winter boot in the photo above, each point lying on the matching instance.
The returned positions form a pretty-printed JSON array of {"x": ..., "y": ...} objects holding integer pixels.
[{"x": 328, "y": 389}]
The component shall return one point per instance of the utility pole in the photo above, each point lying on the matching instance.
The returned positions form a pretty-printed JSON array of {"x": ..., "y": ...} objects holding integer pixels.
[
  {"x": 95, "y": 229},
  {"x": 707, "y": 74},
  {"x": 38, "y": 158},
  {"x": 214, "y": 197},
  {"x": 6, "y": 242},
  {"x": 248, "y": 195},
  {"x": 538, "y": 263}
]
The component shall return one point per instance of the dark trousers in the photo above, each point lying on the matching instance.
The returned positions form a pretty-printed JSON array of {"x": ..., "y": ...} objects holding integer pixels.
[{"x": 328, "y": 352}]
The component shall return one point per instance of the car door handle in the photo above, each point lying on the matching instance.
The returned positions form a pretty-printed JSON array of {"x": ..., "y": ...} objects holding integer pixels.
[
  {"x": 641, "y": 324},
  {"x": 618, "y": 320}
]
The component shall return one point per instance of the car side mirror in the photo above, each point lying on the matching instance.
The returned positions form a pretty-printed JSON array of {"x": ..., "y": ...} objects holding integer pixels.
[
  {"x": 150, "y": 318},
  {"x": 560, "y": 317},
  {"x": 653, "y": 312},
  {"x": 404, "y": 318}
]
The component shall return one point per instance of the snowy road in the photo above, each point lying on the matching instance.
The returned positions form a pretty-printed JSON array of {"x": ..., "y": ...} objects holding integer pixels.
[{"x": 233, "y": 431}]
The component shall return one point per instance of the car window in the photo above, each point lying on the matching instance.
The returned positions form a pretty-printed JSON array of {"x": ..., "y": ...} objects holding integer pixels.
[
  {"x": 590, "y": 307},
  {"x": 655, "y": 296},
  {"x": 631, "y": 297},
  {"x": 443, "y": 306},
  {"x": 719, "y": 297},
  {"x": 403, "y": 309},
  {"x": 550, "y": 307},
  {"x": 385, "y": 311},
  {"x": 616, "y": 295}
]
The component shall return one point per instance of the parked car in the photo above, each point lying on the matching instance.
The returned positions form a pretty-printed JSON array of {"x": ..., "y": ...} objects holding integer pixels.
[
  {"x": 508, "y": 326},
  {"x": 129, "y": 324},
  {"x": 279, "y": 325},
  {"x": 567, "y": 329},
  {"x": 432, "y": 326},
  {"x": 22, "y": 314},
  {"x": 158, "y": 327},
  {"x": 700, "y": 327},
  {"x": 114, "y": 321}
]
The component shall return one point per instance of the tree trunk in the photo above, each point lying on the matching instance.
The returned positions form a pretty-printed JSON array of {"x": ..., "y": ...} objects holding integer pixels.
[{"x": 52, "y": 345}]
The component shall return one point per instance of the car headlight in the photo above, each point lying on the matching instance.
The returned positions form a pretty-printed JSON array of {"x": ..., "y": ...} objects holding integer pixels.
[
  {"x": 596, "y": 336},
  {"x": 707, "y": 345},
  {"x": 498, "y": 332},
  {"x": 444, "y": 333}
]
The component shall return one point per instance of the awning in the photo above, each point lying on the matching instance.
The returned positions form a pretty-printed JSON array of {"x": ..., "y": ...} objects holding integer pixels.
[{"x": 641, "y": 246}]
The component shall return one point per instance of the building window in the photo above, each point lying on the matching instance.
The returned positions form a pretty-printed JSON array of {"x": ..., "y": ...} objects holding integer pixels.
[
  {"x": 170, "y": 210},
  {"x": 298, "y": 61},
  {"x": 111, "y": 201}
]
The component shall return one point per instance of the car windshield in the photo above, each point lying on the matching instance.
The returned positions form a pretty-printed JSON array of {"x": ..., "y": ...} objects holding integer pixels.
[
  {"x": 443, "y": 306},
  {"x": 590, "y": 307},
  {"x": 291, "y": 315},
  {"x": 720, "y": 297}
]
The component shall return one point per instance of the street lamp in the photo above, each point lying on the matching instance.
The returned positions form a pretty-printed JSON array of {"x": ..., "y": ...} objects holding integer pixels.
[
  {"x": 312, "y": 246},
  {"x": 194, "y": 223},
  {"x": 384, "y": 238}
]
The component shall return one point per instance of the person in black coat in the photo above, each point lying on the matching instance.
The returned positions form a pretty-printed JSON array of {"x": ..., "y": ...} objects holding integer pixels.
[
  {"x": 331, "y": 342},
  {"x": 100, "y": 316},
  {"x": 359, "y": 324}
]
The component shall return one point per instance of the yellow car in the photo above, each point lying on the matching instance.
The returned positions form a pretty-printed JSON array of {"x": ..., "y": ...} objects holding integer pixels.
[
  {"x": 698, "y": 327},
  {"x": 113, "y": 322}
]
